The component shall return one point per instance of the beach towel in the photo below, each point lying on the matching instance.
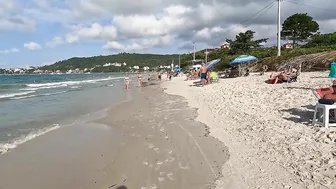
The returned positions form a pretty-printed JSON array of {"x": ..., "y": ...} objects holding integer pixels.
[{"x": 332, "y": 73}]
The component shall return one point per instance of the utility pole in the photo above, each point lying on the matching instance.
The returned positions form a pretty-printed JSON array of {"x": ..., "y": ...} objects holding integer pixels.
[
  {"x": 279, "y": 28},
  {"x": 206, "y": 55},
  {"x": 179, "y": 61},
  {"x": 194, "y": 47}
]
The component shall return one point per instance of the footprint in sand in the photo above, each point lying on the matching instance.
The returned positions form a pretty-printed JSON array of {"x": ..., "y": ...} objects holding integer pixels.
[
  {"x": 183, "y": 167},
  {"x": 166, "y": 137},
  {"x": 170, "y": 151},
  {"x": 153, "y": 186},
  {"x": 170, "y": 176},
  {"x": 171, "y": 159},
  {"x": 161, "y": 179},
  {"x": 156, "y": 149},
  {"x": 162, "y": 173},
  {"x": 159, "y": 163},
  {"x": 150, "y": 146},
  {"x": 162, "y": 130},
  {"x": 145, "y": 163}
]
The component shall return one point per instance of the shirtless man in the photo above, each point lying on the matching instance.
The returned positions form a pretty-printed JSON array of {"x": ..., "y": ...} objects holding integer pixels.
[{"x": 203, "y": 74}]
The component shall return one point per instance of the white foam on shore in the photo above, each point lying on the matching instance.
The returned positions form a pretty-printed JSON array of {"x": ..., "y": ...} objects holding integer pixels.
[
  {"x": 5, "y": 147},
  {"x": 10, "y": 95},
  {"x": 31, "y": 96},
  {"x": 34, "y": 86}
]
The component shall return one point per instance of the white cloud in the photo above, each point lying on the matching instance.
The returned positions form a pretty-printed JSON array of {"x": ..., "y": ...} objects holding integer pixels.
[
  {"x": 142, "y": 45},
  {"x": 149, "y": 24},
  {"x": 7, "y": 51},
  {"x": 114, "y": 45},
  {"x": 55, "y": 41},
  {"x": 32, "y": 46}
]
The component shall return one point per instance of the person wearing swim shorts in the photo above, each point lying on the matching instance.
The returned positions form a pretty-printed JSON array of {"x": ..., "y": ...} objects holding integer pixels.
[{"x": 204, "y": 74}]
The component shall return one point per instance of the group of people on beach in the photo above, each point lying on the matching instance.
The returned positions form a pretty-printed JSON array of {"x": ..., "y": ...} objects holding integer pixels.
[
  {"x": 140, "y": 79},
  {"x": 203, "y": 73}
]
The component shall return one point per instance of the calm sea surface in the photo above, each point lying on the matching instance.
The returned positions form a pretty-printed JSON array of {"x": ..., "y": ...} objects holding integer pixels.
[{"x": 31, "y": 105}]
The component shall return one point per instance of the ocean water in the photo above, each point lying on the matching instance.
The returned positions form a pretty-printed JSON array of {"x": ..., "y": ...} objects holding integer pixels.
[{"x": 31, "y": 105}]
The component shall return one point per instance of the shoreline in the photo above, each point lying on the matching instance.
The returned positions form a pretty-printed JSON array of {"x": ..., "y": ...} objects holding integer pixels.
[
  {"x": 148, "y": 141},
  {"x": 169, "y": 147},
  {"x": 270, "y": 146}
]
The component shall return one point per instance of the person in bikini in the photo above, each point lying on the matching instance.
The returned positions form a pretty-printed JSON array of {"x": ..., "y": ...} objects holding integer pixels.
[
  {"x": 140, "y": 79},
  {"x": 127, "y": 81},
  {"x": 326, "y": 93}
]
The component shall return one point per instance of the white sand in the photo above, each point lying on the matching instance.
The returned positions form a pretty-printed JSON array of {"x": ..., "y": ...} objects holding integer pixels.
[{"x": 267, "y": 129}]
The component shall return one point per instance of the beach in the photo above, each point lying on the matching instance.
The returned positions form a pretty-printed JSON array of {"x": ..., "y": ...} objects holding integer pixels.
[
  {"x": 150, "y": 141},
  {"x": 237, "y": 133},
  {"x": 267, "y": 129}
]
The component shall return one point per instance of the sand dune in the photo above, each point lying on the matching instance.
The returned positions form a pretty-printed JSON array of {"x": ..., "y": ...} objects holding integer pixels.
[{"x": 267, "y": 129}]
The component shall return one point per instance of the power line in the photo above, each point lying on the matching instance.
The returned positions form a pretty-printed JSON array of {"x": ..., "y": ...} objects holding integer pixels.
[
  {"x": 262, "y": 13},
  {"x": 309, "y": 6},
  {"x": 267, "y": 7}
]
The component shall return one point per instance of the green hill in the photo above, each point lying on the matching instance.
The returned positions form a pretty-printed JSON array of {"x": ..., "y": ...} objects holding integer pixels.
[{"x": 96, "y": 62}]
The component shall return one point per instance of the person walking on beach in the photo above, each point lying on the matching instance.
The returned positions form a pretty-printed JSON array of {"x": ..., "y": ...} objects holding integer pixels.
[
  {"x": 127, "y": 81},
  {"x": 140, "y": 79},
  {"x": 203, "y": 74}
]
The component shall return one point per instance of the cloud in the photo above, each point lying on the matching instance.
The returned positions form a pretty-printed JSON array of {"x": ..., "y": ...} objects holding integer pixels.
[
  {"x": 143, "y": 45},
  {"x": 32, "y": 46},
  {"x": 12, "y": 19},
  {"x": 149, "y": 24},
  {"x": 55, "y": 41},
  {"x": 7, "y": 51}
]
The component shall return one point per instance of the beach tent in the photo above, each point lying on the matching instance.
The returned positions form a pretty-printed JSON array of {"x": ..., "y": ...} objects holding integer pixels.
[{"x": 332, "y": 73}]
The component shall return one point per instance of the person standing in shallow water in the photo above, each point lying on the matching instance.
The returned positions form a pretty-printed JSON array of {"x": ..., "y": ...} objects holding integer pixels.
[
  {"x": 203, "y": 74},
  {"x": 127, "y": 81},
  {"x": 140, "y": 79}
]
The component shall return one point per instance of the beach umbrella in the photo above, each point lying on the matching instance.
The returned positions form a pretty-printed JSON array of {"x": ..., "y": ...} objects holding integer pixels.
[
  {"x": 210, "y": 64},
  {"x": 243, "y": 59},
  {"x": 178, "y": 69}
]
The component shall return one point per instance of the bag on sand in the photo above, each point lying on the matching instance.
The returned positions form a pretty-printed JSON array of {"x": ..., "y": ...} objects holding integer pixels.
[{"x": 326, "y": 101}]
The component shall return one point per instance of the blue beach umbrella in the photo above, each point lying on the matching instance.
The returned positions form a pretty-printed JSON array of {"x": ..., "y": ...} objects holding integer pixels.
[
  {"x": 243, "y": 59},
  {"x": 210, "y": 64}
]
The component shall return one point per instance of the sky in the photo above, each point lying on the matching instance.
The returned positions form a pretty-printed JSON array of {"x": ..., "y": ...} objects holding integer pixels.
[{"x": 41, "y": 32}]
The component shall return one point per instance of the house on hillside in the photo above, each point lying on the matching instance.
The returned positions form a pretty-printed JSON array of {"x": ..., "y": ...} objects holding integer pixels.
[
  {"x": 225, "y": 45},
  {"x": 288, "y": 45}
]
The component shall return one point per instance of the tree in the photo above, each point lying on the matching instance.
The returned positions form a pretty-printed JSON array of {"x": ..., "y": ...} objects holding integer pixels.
[
  {"x": 299, "y": 28},
  {"x": 244, "y": 42},
  {"x": 318, "y": 40}
]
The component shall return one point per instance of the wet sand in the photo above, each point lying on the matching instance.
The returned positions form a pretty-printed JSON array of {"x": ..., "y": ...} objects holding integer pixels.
[
  {"x": 165, "y": 147},
  {"x": 149, "y": 142}
]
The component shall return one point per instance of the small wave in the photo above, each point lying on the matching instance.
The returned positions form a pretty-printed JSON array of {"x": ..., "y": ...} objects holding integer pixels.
[
  {"x": 31, "y": 96},
  {"x": 66, "y": 83},
  {"x": 10, "y": 95},
  {"x": 5, "y": 147}
]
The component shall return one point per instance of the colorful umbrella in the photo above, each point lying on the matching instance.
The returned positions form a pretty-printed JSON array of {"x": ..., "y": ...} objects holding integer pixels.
[
  {"x": 210, "y": 64},
  {"x": 243, "y": 59}
]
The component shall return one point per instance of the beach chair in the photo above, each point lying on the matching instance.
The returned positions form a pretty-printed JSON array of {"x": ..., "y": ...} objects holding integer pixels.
[{"x": 326, "y": 116}]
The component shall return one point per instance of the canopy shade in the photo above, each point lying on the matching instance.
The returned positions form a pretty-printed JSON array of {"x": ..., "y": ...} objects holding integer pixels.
[
  {"x": 243, "y": 59},
  {"x": 210, "y": 64}
]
